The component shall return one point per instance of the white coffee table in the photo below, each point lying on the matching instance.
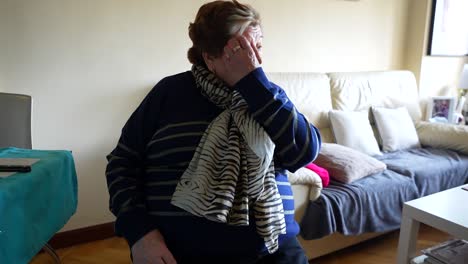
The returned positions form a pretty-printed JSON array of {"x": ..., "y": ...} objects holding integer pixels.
[{"x": 446, "y": 211}]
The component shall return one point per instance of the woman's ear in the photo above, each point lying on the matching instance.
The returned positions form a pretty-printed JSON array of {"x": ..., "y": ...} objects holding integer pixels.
[{"x": 209, "y": 61}]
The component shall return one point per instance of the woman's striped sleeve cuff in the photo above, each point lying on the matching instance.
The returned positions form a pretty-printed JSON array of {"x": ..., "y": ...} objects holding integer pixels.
[{"x": 133, "y": 225}]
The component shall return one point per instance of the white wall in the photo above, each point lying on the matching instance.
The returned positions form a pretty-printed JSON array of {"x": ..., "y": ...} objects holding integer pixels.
[
  {"x": 415, "y": 35},
  {"x": 333, "y": 35},
  {"x": 89, "y": 63},
  {"x": 439, "y": 74},
  {"x": 436, "y": 75},
  {"x": 3, "y": 28}
]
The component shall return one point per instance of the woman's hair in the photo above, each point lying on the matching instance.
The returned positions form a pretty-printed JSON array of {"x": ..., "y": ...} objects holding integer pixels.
[{"x": 216, "y": 22}]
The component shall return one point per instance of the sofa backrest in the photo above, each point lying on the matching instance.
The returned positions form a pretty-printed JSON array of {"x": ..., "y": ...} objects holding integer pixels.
[
  {"x": 358, "y": 91},
  {"x": 310, "y": 93},
  {"x": 315, "y": 94}
]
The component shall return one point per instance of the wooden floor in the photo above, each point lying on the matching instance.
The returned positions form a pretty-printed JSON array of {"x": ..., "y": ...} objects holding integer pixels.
[{"x": 380, "y": 250}]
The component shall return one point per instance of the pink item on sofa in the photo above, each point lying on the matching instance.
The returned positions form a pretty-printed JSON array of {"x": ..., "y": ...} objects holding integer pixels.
[{"x": 321, "y": 172}]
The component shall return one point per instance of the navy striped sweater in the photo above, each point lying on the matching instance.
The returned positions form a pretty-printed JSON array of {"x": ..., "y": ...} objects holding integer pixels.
[{"x": 157, "y": 144}]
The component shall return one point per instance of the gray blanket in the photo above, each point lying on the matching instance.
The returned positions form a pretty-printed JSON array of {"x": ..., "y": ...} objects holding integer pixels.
[
  {"x": 433, "y": 170},
  {"x": 374, "y": 203},
  {"x": 371, "y": 204}
]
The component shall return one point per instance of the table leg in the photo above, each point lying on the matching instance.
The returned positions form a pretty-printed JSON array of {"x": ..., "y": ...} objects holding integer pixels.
[
  {"x": 408, "y": 237},
  {"x": 50, "y": 250}
]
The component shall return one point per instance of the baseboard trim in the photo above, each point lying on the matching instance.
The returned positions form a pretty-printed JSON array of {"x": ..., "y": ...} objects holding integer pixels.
[{"x": 82, "y": 235}]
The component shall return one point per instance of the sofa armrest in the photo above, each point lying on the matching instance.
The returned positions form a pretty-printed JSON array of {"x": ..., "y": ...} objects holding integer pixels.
[
  {"x": 303, "y": 195},
  {"x": 305, "y": 176},
  {"x": 439, "y": 135},
  {"x": 306, "y": 186}
]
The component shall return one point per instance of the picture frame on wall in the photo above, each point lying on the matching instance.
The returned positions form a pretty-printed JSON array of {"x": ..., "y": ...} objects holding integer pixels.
[
  {"x": 440, "y": 109},
  {"x": 448, "y": 34}
]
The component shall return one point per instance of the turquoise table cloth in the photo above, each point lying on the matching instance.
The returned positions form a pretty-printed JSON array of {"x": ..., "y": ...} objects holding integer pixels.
[{"x": 37, "y": 204}]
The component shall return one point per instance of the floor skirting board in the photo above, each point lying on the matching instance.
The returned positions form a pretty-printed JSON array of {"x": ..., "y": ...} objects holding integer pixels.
[{"x": 82, "y": 235}]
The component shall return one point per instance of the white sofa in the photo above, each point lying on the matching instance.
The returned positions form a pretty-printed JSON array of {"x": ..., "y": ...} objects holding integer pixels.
[{"x": 315, "y": 94}]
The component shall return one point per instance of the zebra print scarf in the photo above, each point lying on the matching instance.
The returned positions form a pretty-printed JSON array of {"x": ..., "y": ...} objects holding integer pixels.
[{"x": 231, "y": 174}]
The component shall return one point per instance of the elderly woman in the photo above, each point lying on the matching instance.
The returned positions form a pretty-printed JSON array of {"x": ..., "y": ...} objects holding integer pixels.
[{"x": 199, "y": 172}]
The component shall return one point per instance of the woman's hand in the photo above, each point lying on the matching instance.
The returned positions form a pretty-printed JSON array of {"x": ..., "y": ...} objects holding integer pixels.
[
  {"x": 242, "y": 55},
  {"x": 151, "y": 249}
]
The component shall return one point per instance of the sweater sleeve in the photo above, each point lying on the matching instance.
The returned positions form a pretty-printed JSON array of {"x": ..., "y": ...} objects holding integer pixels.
[
  {"x": 124, "y": 171},
  {"x": 297, "y": 142}
]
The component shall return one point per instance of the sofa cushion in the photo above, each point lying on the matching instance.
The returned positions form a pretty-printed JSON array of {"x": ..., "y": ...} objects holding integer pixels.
[
  {"x": 304, "y": 176},
  {"x": 443, "y": 136},
  {"x": 310, "y": 93},
  {"x": 358, "y": 91},
  {"x": 352, "y": 129},
  {"x": 321, "y": 172},
  {"x": 395, "y": 128},
  {"x": 345, "y": 164}
]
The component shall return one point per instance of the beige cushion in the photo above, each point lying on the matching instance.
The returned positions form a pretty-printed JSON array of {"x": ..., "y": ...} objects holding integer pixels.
[
  {"x": 440, "y": 135},
  {"x": 395, "y": 128},
  {"x": 310, "y": 93},
  {"x": 358, "y": 91},
  {"x": 305, "y": 176},
  {"x": 352, "y": 129},
  {"x": 345, "y": 164}
]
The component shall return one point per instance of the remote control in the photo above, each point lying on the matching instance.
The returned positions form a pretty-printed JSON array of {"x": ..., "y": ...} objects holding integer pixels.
[{"x": 15, "y": 168}]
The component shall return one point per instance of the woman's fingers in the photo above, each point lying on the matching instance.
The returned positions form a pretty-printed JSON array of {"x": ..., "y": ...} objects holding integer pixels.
[
  {"x": 151, "y": 249},
  {"x": 157, "y": 261},
  {"x": 243, "y": 42},
  {"x": 227, "y": 52},
  {"x": 239, "y": 59},
  {"x": 169, "y": 259},
  {"x": 251, "y": 49},
  {"x": 248, "y": 44},
  {"x": 231, "y": 48},
  {"x": 234, "y": 45},
  {"x": 253, "y": 45}
]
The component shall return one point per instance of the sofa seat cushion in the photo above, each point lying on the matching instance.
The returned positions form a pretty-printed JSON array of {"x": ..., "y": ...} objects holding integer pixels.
[
  {"x": 370, "y": 204},
  {"x": 433, "y": 170}
]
